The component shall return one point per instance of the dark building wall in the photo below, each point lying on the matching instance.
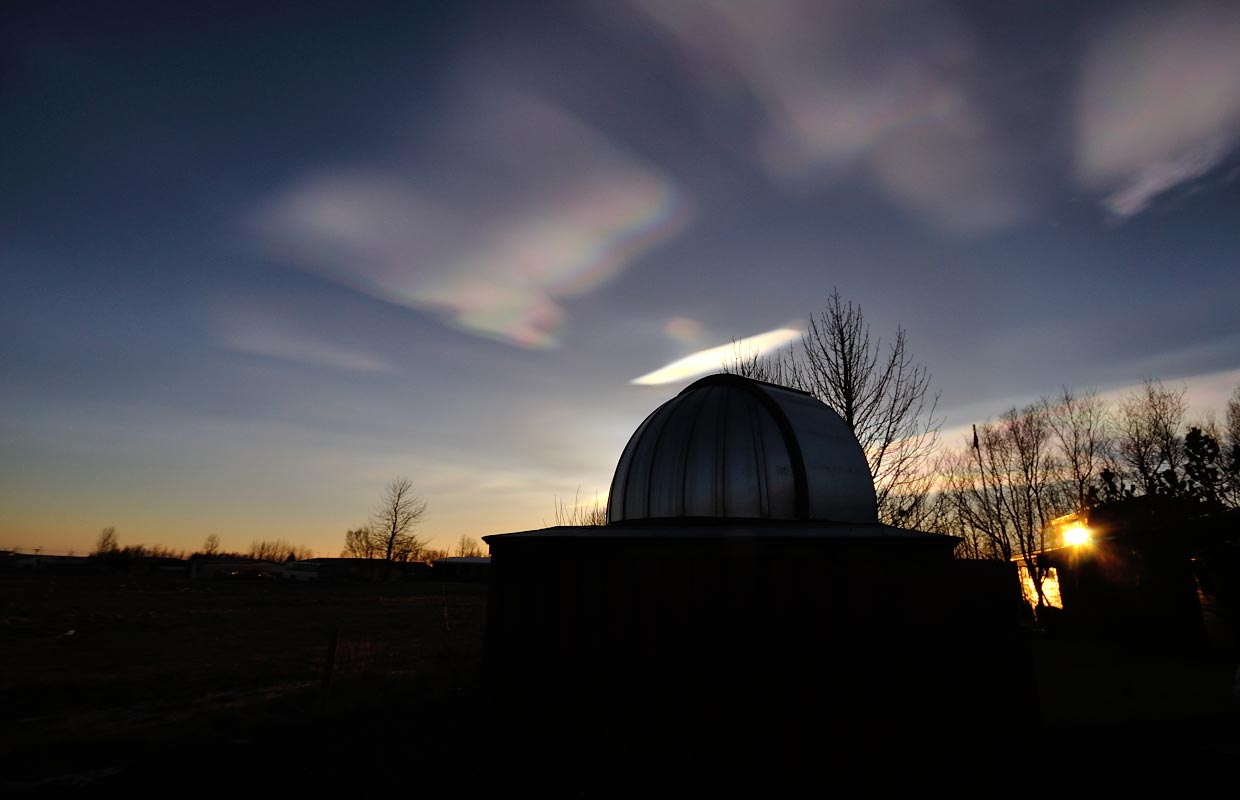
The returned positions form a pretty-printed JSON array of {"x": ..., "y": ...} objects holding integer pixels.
[
  {"x": 453, "y": 570},
  {"x": 755, "y": 647},
  {"x": 1148, "y": 578}
]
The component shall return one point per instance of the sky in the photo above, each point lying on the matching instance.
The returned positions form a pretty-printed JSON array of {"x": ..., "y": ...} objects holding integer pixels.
[{"x": 259, "y": 259}]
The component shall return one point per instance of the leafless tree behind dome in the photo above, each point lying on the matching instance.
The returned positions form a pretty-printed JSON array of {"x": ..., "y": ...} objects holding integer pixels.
[{"x": 881, "y": 393}]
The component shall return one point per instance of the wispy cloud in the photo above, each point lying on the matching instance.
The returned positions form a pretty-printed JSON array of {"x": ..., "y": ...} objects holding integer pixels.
[
  {"x": 516, "y": 206},
  {"x": 887, "y": 88},
  {"x": 1158, "y": 102},
  {"x": 272, "y": 335},
  {"x": 713, "y": 358}
]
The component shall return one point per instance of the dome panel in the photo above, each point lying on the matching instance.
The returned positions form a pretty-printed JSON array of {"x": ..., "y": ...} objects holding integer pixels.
[
  {"x": 728, "y": 447},
  {"x": 666, "y": 491},
  {"x": 701, "y": 482},
  {"x": 742, "y": 472},
  {"x": 636, "y": 492},
  {"x": 837, "y": 475}
]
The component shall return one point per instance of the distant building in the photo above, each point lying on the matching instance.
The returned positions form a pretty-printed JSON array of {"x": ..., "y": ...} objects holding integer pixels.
[
  {"x": 231, "y": 568},
  {"x": 351, "y": 569},
  {"x": 1143, "y": 567},
  {"x": 462, "y": 568},
  {"x": 1061, "y": 534},
  {"x": 67, "y": 565}
]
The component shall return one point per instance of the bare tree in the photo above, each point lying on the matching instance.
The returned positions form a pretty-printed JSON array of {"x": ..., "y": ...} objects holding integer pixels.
[
  {"x": 107, "y": 543},
  {"x": 360, "y": 542},
  {"x": 1148, "y": 440},
  {"x": 880, "y": 392},
  {"x": 468, "y": 547},
  {"x": 1232, "y": 431},
  {"x": 581, "y": 514},
  {"x": 395, "y": 520},
  {"x": 748, "y": 362},
  {"x": 1231, "y": 450},
  {"x": 974, "y": 486},
  {"x": 1004, "y": 488},
  {"x": 211, "y": 545},
  {"x": 1081, "y": 428},
  {"x": 278, "y": 550},
  {"x": 429, "y": 555}
]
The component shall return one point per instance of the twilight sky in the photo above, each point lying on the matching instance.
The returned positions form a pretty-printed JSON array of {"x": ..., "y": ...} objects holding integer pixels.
[{"x": 257, "y": 259}]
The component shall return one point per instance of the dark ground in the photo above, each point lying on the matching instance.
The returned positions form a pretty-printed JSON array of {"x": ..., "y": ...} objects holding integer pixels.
[{"x": 158, "y": 684}]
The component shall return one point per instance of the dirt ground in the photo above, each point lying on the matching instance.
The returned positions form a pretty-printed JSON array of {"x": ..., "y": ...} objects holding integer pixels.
[{"x": 112, "y": 682}]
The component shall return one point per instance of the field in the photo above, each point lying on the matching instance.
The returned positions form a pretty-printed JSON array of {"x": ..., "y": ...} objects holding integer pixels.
[
  {"x": 114, "y": 682},
  {"x": 106, "y": 678}
]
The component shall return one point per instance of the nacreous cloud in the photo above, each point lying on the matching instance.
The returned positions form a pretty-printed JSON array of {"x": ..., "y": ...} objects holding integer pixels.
[
  {"x": 712, "y": 359},
  {"x": 515, "y": 207},
  {"x": 1159, "y": 102}
]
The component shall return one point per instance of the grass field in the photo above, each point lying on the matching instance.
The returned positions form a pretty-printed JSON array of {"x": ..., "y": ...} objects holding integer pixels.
[
  {"x": 104, "y": 677},
  {"x": 110, "y": 682}
]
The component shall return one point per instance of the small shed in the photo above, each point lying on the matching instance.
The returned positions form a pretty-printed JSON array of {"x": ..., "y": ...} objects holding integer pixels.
[{"x": 1145, "y": 568}]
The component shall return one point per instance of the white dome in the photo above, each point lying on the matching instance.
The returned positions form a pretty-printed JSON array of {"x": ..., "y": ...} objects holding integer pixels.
[{"x": 732, "y": 448}]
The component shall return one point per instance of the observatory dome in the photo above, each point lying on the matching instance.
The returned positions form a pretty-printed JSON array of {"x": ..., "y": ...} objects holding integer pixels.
[{"x": 733, "y": 448}]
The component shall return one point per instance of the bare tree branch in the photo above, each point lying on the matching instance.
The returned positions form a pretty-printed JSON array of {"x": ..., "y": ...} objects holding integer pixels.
[
  {"x": 361, "y": 542},
  {"x": 880, "y": 392},
  {"x": 1148, "y": 440},
  {"x": 1082, "y": 430},
  {"x": 395, "y": 520}
]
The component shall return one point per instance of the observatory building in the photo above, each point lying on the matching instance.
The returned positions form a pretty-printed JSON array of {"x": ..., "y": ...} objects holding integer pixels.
[{"x": 744, "y": 604}]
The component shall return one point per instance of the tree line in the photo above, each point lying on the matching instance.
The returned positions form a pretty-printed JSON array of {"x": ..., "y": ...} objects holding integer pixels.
[
  {"x": 390, "y": 534},
  {"x": 1074, "y": 451},
  {"x": 108, "y": 547},
  {"x": 1000, "y": 488}
]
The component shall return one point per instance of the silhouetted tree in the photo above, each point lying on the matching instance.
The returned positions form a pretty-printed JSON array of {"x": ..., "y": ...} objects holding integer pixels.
[
  {"x": 1148, "y": 441},
  {"x": 361, "y": 542},
  {"x": 1110, "y": 488},
  {"x": 468, "y": 547},
  {"x": 1231, "y": 447},
  {"x": 1081, "y": 427},
  {"x": 395, "y": 520},
  {"x": 278, "y": 550},
  {"x": 581, "y": 514},
  {"x": 880, "y": 392},
  {"x": 1004, "y": 487},
  {"x": 428, "y": 555},
  {"x": 1204, "y": 475},
  {"x": 107, "y": 544},
  {"x": 211, "y": 546}
]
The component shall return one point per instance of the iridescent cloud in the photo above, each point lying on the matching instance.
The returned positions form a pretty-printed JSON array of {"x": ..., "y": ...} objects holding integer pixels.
[
  {"x": 712, "y": 359},
  {"x": 1158, "y": 102},
  {"x": 683, "y": 329},
  {"x": 517, "y": 206}
]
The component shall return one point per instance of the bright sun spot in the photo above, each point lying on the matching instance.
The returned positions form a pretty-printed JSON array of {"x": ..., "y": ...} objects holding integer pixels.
[{"x": 1076, "y": 535}]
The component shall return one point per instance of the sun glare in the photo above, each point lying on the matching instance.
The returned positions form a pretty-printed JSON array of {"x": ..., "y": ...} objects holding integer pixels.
[{"x": 1076, "y": 535}]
